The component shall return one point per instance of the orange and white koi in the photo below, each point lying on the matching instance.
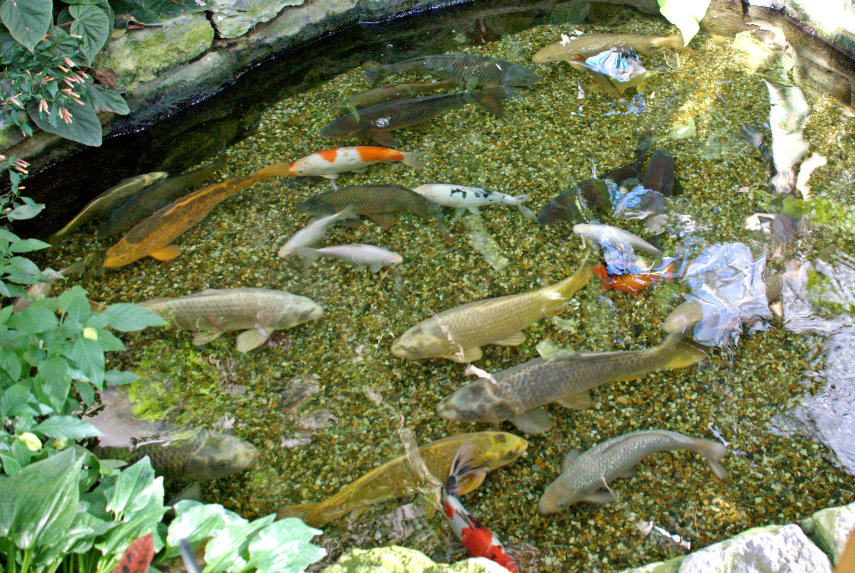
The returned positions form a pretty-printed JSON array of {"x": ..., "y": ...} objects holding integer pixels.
[
  {"x": 635, "y": 280},
  {"x": 477, "y": 539},
  {"x": 330, "y": 162}
]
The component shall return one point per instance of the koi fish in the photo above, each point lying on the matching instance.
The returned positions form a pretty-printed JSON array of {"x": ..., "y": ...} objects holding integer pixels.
[
  {"x": 393, "y": 92},
  {"x": 465, "y": 69},
  {"x": 592, "y": 44},
  {"x": 633, "y": 282},
  {"x": 375, "y": 258},
  {"x": 311, "y": 234},
  {"x": 477, "y": 539},
  {"x": 330, "y": 162},
  {"x": 462, "y": 197}
]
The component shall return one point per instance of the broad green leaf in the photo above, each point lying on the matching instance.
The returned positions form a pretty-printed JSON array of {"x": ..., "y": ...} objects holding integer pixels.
[
  {"x": 126, "y": 317},
  {"x": 27, "y": 20},
  {"x": 89, "y": 358},
  {"x": 40, "y": 501},
  {"x": 685, "y": 14},
  {"x": 196, "y": 522},
  {"x": 109, "y": 342},
  {"x": 11, "y": 465},
  {"x": 15, "y": 401},
  {"x": 75, "y": 305},
  {"x": 284, "y": 547},
  {"x": 93, "y": 24},
  {"x": 54, "y": 382},
  {"x": 228, "y": 549},
  {"x": 28, "y": 245},
  {"x": 33, "y": 320},
  {"x": 26, "y": 211},
  {"x": 10, "y": 363},
  {"x": 104, "y": 99},
  {"x": 84, "y": 128},
  {"x": 139, "y": 523},
  {"x": 135, "y": 488},
  {"x": 87, "y": 393},
  {"x": 120, "y": 377},
  {"x": 23, "y": 271},
  {"x": 67, "y": 428}
]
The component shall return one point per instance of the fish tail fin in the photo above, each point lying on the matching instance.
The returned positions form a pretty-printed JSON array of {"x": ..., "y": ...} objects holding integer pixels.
[
  {"x": 462, "y": 469},
  {"x": 569, "y": 286},
  {"x": 686, "y": 353},
  {"x": 713, "y": 452},
  {"x": 308, "y": 254},
  {"x": 276, "y": 170},
  {"x": 310, "y": 513},
  {"x": 374, "y": 74},
  {"x": 675, "y": 41},
  {"x": 413, "y": 159},
  {"x": 526, "y": 212},
  {"x": 645, "y": 143},
  {"x": 490, "y": 98}
]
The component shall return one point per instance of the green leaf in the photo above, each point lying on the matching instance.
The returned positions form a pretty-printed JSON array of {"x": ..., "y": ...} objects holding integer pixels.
[
  {"x": 23, "y": 271},
  {"x": 89, "y": 358},
  {"x": 84, "y": 128},
  {"x": 27, "y": 20},
  {"x": 285, "y": 547},
  {"x": 75, "y": 305},
  {"x": 67, "y": 428},
  {"x": 54, "y": 379},
  {"x": 196, "y": 522},
  {"x": 87, "y": 393},
  {"x": 40, "y": 501},
  {"x": 135, "y": 488},
  {"x": 93, "y": 24},
  {"x": 27, "y": 245},
  {"x": 685, "y": 14},
  {"x": 26, "y": 211},
  {"x": 15, "y": 401},
  {"x": 104, "y": 99},
  {"x": 120, "y": 377},
  {"x": 33, "y": 320},
  {"x": 126, "y": 317},
  {"x": 109, "y": 342},
  {"x": 11, "y": 465},
  {"x": 10, "y": 363},
  {"x": 228, "y": 549}
]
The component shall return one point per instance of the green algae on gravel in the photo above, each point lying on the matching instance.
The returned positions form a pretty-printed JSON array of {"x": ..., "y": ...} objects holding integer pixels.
[{"x": 549, "y": 139}]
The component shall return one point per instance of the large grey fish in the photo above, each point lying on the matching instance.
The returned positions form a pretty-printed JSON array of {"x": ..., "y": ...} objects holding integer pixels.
[
  {"x": 459, "y": 333},
  {"x": 377, "y": 120},
  {"x": 255, "y": 311},
  {"x": 584, "y": 476},
  {"x": 569, "y": 49},
  {"x": 150, "y": 199},
  {"x": 380, "y": 203},
  {"x": 394, "y": 92},
  {"x": 103, "y": 204},
  {"x": 466, "y": 69},
  {"x": 518, "y": 393}
]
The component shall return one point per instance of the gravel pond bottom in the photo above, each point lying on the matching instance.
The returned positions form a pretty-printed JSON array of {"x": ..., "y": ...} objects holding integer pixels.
[{"x": 552, "y": 135}]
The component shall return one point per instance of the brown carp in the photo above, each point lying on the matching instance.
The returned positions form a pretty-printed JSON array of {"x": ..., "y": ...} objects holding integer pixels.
[
  {"x": 255, "y": 311},
  {"x": 376, "y": 121},
  {"x": 459, "y": 333},
  {"x": 103, "y": 204},
  {"x": 380, "y": 203},
  {"x": 585, "y": 476},
  {"x": 465, "y": 69},
  {"x": 578, "y": 49},
  {"x": 518, "y": 393},
  {"x": 398, "y": 477},
  {"x": 394, "y": 92}
]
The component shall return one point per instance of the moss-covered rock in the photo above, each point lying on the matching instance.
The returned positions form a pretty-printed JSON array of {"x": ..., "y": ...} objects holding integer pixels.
[
  {"x": 396, "y": 559},
  {"x": 233, "y": 18},
  {"x": 830, "y": 528}
]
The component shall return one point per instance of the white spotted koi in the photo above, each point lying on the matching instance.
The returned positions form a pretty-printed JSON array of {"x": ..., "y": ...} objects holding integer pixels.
[{"x": 463, "y": 197}]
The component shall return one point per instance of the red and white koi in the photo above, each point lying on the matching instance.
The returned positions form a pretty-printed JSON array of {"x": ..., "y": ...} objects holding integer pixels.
[
  {"x": 330, "y": 162},
  {"x": 463, "y": 197},
  {"x": 477, "y": 539}
]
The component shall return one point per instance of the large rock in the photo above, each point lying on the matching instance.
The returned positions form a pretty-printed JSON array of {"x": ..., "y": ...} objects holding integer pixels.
[
  {"x": 233, "y": 18},
  {"x": 396, "y": 559},
  {"x": 760, "y": 550},
  {"x": 139, "y": 55},
  {"x": 830, "y": 529}
]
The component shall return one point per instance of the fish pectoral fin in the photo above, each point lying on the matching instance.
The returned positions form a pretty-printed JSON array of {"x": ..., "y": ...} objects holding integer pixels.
[
  {"x": 375, "y": 267},
  {"x": 535, "y": 421},
  {"x": 469, "y": 482},
  {"x": 166, "y": 253},
  {"x": 253, "y": 338},
  {"x": 570, "y": 458},
  {"x": 515, "y": 339},
  {"x": 602, "y": 496},
  {"x": 382, "y": 138},
  {"x": 579, "y": 401},
  {"x": 206, "y": 336},
  {"x": 628, "y": 472},
  {"x": 468, "y": 355},
  {"x": 382, "y": 219}
]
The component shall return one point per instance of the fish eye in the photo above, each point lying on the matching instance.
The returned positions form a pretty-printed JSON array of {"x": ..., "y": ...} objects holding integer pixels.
[{"x": 223, "y": 464}]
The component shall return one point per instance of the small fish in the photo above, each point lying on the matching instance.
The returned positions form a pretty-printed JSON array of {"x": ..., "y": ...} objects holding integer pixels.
[
  {"x": 376, "y": 121},
  {"x": 153, "y": 236},
  {"x": 393, "y": 92},
  {"x": 602, "y": 233},
  {"x": 477, "y": 539},
  {"x": 589, "y": 45},
  {"x": 459, "y": 333},
  {"x": 148, "y": 200},
  {"x": 103, "y": 204},
  {"x": 634, "y": 281},
  {"x": 255, "y": 311},
  {"x": 398, "y": 477},
  {"x": 311, "y": 234},
  {"x": 584, "y": 476},
  {"x": 519, "y": 393},
  {"x": 330, "y": 162},
  {"x": 462, "y": 197},
  {"x": 44, "y": 288},
  {"x": 467, "y": 70},
  {"x": 375, "y": 258},
  {"x": 380, "y": 203}
]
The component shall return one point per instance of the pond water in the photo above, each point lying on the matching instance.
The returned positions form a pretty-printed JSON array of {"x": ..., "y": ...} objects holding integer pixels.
[{"x": 326, "y": 401}]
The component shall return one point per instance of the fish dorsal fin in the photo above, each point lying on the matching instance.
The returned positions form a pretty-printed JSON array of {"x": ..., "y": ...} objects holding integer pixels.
[
  {"x": 469, "y": 355},
  {"x": 253, "y": 338},
  {"x": 570, "y": 458},
  {"x": 166, "y": 253},
  {"x": 578, "y": 401},
  {"x": 514, "y": 339},
  {"x": 536, "y": 421},
  {"x": 209, "y": 292}
]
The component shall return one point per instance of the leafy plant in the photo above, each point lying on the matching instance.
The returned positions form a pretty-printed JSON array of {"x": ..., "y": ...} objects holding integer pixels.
[
  {"x": 42, "y": 80},
  {"x": 685, "y": 14}
]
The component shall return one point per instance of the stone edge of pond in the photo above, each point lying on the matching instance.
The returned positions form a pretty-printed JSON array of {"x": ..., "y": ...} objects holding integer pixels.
[{"x": 813, "y": 544}]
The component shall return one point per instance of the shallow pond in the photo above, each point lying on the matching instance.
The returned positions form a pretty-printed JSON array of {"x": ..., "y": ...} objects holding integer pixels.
[{"x": 552, "y": 136}]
